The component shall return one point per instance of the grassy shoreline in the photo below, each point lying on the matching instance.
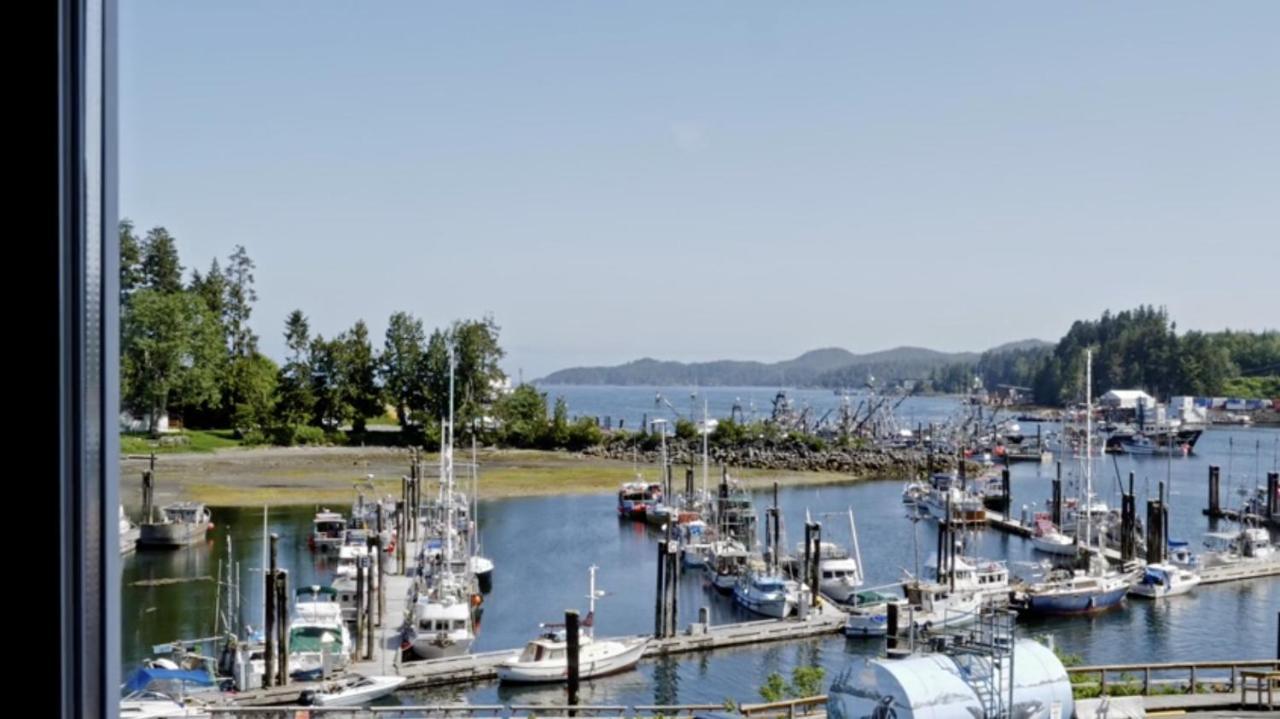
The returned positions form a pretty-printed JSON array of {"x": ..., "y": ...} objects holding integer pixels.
[{"x": 224, "y": 477}]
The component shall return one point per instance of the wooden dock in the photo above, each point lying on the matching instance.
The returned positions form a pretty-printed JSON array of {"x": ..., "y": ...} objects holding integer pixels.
[{"x": 1235, "y": 572}]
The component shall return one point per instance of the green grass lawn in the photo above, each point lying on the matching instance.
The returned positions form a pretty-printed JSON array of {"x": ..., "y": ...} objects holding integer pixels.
[{"x": 198, "y": 440}]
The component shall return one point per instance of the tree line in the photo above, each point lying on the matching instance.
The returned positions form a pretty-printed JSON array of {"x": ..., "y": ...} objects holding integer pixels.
[
  {"x": 187, "y": 348},
  {"x": 1132, "y": 349}
]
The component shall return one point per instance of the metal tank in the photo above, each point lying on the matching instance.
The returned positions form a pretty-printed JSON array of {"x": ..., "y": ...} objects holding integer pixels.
[{"x": 959, "y": 683}]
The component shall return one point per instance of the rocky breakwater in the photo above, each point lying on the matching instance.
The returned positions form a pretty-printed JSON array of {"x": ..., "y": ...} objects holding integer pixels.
[{"x": 862, "y": 462}]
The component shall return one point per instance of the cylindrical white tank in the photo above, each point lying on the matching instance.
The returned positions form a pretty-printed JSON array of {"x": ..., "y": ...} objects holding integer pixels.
[{"x": 939, "y": 686}]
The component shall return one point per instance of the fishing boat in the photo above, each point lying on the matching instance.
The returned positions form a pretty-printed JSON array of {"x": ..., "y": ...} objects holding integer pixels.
[
  {"x": 180, "y": 524},
  {"x": 1164, "y": 580},
  {"x": 442, "y": 622},
  {"x": 913, "y": 492},
  {"x": 869, "y": 613},
  {"x": 634, "y": 498},
  {"x": 482, "y": 568},
  {"x": 947, "y": 489},
  {"x": 727, "y": 560},
  {"x": 765, "y": 592},
  {"x": 1048, "y": 539},
  {"x": 839, "y": 575},
  {"x": 546, "y": 658},
  {"x": 933, "y": 605},
  {"x": 345, "y": 583},
  {"x": 319, "y": 641},
  {"x": 1247, "y": 546},
  {"x": 351, "y": 692},
  {"x": 695, "y": 544},
  {"x": 328, "y": 530}
]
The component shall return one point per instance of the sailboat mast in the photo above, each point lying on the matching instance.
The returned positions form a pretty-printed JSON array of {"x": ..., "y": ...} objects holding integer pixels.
[
  {"x": 857, "y": 552},
  {"x": 706, "y": 431},
  {"x": 1088, "y": 448}
]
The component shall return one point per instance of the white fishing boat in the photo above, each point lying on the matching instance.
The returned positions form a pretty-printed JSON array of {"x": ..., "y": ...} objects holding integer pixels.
[
  {"x": 546, "y": 659},
  {"x": 179, "y": 525},
  {"x": 765, "y": 592},
  {"x": 442, "y": 624},
  {"x": 695, "y": 544},
  {"x": 1249, "y": 545},
  {"x": 914, "y": 492},
  {"x": 319, "y": 641},
  {"x": 328, "y": 530},
  {"x": 345, "y": 582},
  {"x": 869, "y": 613},
  {"x": 1164, "y": 580},
  {"x": 945, "y": 490},
  {"x": 352, "y": 692},
  {"x": 727, "y": 560}
]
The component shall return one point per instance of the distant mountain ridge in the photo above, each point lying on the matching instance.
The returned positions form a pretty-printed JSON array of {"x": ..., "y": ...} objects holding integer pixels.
[{"x": 824, "y": 367}]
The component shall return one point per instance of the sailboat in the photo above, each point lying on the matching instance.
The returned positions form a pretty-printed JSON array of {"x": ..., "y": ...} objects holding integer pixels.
[
  {"x": 546, "y": 658},
  {"x": 443, "y": 619},
  {"x": 1071, "y": 591}
]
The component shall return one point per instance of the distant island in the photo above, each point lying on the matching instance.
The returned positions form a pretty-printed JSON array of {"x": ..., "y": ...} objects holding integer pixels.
[{"x": 827, "y": 367}]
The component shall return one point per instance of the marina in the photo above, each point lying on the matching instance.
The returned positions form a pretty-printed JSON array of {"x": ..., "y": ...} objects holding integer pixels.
[{"x": 704, "y": 622}]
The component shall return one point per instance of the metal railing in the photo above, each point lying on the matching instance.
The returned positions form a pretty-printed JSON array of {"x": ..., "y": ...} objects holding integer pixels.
[
  {"x": 772, "y": 710},
  {"x": 1171, "y": 677}
]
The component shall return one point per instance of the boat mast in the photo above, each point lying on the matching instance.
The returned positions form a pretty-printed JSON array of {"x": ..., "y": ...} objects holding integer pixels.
[
  {"x": 706, "y": 430},
  {"x": 1088, "y": 448},
  {"x": 448, "y": 483},
  {"x": 857, "y": 552}
]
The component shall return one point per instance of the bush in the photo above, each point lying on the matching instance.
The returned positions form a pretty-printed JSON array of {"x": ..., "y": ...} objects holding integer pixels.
[
  {"x": 253, "y": 437},
  {"x": 686, "y": 429},
  {"x": 582, "y": 434}
]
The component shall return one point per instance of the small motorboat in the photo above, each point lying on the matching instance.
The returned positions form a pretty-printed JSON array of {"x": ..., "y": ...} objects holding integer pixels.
[
  {"x": 328, "y": 530},
  {"x": 353, "y": 692},
  {"x": 142, "y": 700},
  {"x": 1164, "y": 580},
  {"x": 1046, "y": 538}
]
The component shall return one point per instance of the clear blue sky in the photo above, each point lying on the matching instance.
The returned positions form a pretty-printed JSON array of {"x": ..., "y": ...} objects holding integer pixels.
[{"x": 715, "y": 179}]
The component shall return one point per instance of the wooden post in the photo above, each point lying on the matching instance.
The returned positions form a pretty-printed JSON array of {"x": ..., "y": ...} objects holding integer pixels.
[
  {"x": 891, "y": 634},
  {"x": 269, "y": 596},
  {"x": 1273, "y": 494},
  {"x": 282, "y": 624},
  {"x": 808, "y": 549},
  {"x": 1057, "y": 498},
  {"x": 368, "y": 609},
  {"x": 659, "y": 621},
  {"x": 814, "y": 572},
  {"x": 359, "y": 603},
  {"x": 379, "y": 589},
  {"x": 571, "y": 642},
  {"x": 1006, "y": 500},
  {"x": 1215, "y": 509},
  {"x": 673, "y": 575}
]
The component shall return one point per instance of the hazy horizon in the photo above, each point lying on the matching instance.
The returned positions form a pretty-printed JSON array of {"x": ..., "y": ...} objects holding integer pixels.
[{"x": 717, "y": 181}]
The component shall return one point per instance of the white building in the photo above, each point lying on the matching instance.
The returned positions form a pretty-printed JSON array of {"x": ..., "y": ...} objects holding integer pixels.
[{"x": 1127, "y": 399}]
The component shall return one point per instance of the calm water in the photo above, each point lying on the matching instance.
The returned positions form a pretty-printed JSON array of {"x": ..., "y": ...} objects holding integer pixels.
[{"x": 543, "y": 546}]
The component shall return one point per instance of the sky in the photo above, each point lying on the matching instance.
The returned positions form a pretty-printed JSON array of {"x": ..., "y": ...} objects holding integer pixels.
[{"x": 713, "y": 180}]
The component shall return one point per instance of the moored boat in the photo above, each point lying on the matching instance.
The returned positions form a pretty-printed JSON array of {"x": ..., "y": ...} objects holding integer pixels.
[
  {"x": 180, "y": 524},
  {"x": 351, "y": 692}
]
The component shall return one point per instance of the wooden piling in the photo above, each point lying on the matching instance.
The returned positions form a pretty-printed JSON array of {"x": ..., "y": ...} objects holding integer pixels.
[
  {"x": 891, "y": 634},
  {"x": 572, "y": 652},
  {"x": 359, "y": 604},
  {"x": 368, "y": 608},
  {"x": 1006, "y": 498},
  {"x": 1215, "y": 507},
  {"x": 269, "y": 596},
  {"x": 1057, "y": 498},
  {"x": 282, "y": 625},
  {"x": 659, "y": 620}
]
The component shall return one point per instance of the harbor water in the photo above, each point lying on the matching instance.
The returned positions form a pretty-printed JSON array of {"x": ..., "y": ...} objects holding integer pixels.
[{"x": 543, "y": 546}]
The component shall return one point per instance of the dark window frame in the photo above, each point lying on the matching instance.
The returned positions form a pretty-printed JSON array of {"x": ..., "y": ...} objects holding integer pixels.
[{"x": 88, "y": 362}]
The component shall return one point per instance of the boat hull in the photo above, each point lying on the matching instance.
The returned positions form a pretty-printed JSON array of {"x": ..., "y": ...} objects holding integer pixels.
[
  {"x": 1075, "y": 602},
  {"x": 1057, "y": 548},
  {"x": 779, "y": 607},
  {"x": 173, "y": 534},
  {"x": 428, "y": 646},
  {"x": 514, "y": 672},
  {"x": 360, "y": 695}
]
